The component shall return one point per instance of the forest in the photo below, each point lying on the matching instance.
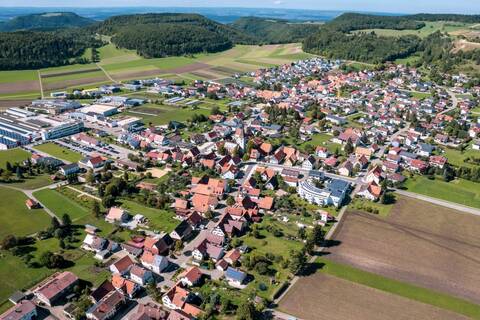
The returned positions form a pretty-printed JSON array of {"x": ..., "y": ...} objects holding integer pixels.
[
  {"x": 355, "y": 21},
  {"x": 160, "y": 40},
  {"x": 273, "y": 31},
  {"x": 365, "y": 47},
  {"x": 32, "y": 50}
]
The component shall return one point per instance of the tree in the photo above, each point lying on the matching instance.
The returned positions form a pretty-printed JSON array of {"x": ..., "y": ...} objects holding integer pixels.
[
  {"x": 51, "y": 260},
  {"x": 61, "y": 244},
  {"x": 9, "y": 241},
  {"x": 297, "y": 262},
  {"x": 178, "y": 245},
  {"x": 246, "y": 311},
  {"x": 348, "y": 147},
  {"x": 96, "y": 209},
  {"x": 301, "y": 233},
  {"x": 230, "y": 201},
  {"x": 90, "y": 177},
  {"x": 54, "y": 224},
  {"x": 66, "y": 221},
  {"x": 19, "y": 173}
]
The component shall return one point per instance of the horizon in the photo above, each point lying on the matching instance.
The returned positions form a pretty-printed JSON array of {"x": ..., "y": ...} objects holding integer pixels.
[{"x": 376, "y": 6}]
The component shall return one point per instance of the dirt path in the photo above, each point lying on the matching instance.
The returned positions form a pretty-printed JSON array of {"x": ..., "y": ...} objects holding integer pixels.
[
  {"x": 40, "y": 84},
  {"x": 106, "y": 73}
]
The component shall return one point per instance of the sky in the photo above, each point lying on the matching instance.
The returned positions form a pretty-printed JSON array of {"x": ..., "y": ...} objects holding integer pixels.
[{"x": 395, "y": 6}]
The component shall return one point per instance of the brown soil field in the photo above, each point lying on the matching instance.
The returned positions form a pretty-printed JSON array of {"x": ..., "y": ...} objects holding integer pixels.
[
  {"x": 4, "y": 104},
  {"x": 19, "y": 86},
  {"x": 419, "y": 243},
  {"x": 135, "y": 74},
  {"x": 71, "y": 83},
  {"x": 188, "y": 68},
  {"x": 321, "y": 296}
]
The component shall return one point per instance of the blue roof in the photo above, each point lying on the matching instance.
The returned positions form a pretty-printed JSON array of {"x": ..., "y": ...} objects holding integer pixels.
[{"x": 235, "y": 274}]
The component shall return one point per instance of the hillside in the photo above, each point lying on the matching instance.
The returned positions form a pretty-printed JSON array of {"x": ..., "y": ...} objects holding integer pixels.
[
  {"x": 356, "y": 21},
  {"x": 45, "y": 21},
  {"x": 274, "y": 31}
]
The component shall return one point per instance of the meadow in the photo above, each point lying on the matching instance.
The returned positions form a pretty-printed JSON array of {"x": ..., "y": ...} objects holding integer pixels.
[
  {"x": 13, "y": 156},
  {"x": 59, "y": 152},
  {"x": 429, "y": 28}
]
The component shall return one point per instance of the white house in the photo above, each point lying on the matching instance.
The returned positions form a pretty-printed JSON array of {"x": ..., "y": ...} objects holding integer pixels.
[{"x": 154, "y": 262}]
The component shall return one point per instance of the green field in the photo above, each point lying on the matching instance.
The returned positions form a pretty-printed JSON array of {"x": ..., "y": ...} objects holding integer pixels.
[
  {"x": 430, "y": 27},
  {"x": 13, "y": 156},
  {"x": 163, "y": 114},
  {"x": 59, "y": 152},
  {"x": 16, "y": 218},
  {"x": 161, "y": 220},
  {"x": 60, "y": 204},
  {"x": 31, "y": 182},
  {"x": 459, "y": 191},
  {"x": 18, "y": 75},
  {"x": 456, "y": 157},
  {"x": 400, "y": 288},
  {"x": 361, "y": 204}
]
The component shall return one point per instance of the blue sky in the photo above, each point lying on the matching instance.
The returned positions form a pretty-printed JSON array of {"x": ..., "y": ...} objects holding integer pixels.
[{"x": 398, "y": 6}]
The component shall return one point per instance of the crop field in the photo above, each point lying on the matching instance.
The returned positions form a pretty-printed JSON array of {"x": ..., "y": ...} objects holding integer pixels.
[
  {"x": 323, "y": 296},
  {"x": 16, "y": 218},
  {"x": 430, "y": 27},
  {"x": 122, "y": 65},
  {"x": 418, "y": 243}
]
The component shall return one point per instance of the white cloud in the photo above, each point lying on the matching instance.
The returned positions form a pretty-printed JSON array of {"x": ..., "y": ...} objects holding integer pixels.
[{"x": 278, "y": 2}]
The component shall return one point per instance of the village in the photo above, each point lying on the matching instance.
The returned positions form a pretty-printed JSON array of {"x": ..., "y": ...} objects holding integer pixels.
[{"x": 241, "y": 188}]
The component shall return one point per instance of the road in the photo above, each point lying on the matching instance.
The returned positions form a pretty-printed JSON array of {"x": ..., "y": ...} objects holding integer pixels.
[
  {"x": 443, "y": 203},
  {"x": 454, "y": 102},
  {"x": 40, "y": 84}
]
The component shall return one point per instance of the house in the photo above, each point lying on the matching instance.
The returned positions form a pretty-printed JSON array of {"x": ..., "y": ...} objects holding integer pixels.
[
  {"x": 205, "y": 249},
  {"x": 141, "y": 275},
  {"x": 128, "y": 287},
  {"x": 425, "y": 149},
  {"x": 150, "y": 311},
  {"x": 322, "y": 152},
  {"x": 309, "y": 163},
  {"x": 374, "y": 175},
  {"x": 69, "y": 169},
  {"x": 346, "y": 168},
  {"x": 158, "y": 244},
  {"x": 117, "y": 215},
  {"x": 181, "y": 231},
  {"x": 107, "y": 307},
  {"x": 191, "y": 276},
  {"x": 122, "y": 266},
  {"x": 94, "y": 163},
  {"x": 437, "y": 161},
  {"x": 176, "y": 297},
  {"x": 235, "y": 277},
  {"x": 24, "y": 310},
  {"x": 32, "y": 204},
  {"x": 476, "y": 144},
  {"x": 203, "y": 203},
  {"x": 370, "y": 191},
  {"x": 154, "y": 262},
  {"x": 232, "y": 256},
  {"x": 56, "y": 287},
  {"x": 101, "y": 291}
]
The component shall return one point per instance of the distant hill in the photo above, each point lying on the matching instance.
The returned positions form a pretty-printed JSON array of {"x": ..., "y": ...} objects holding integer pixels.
[
  {"x": 275, "y": 30},
  {"x": 163, "y": 34},
  {"x": 45, "y": 21}
]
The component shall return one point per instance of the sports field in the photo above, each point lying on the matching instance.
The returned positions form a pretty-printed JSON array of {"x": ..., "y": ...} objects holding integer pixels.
[{"x": 121, "y": 65}]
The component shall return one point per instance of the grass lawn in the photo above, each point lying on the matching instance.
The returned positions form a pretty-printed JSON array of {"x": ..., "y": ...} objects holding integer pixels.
[
  {"x": 361, "y": 205},
  {"x": 400, "y": 288},
  {"x": 163, "y": 114},
  {"x": 459, "y": 191},
  {"x": 456, "y": 157},
  {"x": 13, "y": 156},
  {"x": 161, "y": 220},
  {"x": 32, "y": 182},
  {"x": 16, "y": 218},
  {"x": 59, "y": 152},
  {"x": 60, "y": 204}
]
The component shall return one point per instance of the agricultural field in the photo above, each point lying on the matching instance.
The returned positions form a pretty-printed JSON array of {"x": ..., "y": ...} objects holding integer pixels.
[
  {"x": 59, "y": 152},
  {"x": 16, "y": 218},
  {"x": 13, "y": 156},
  {"x": 123, "y": 65},
  {"x": 430, "y": 27},
  {"x": 418, "y": 243},
  {"x": 458, "y": 191},
  {"x": 312, "y": 297}
]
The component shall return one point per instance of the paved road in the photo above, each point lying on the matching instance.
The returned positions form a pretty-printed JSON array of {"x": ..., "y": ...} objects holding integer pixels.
[{"x": 440, "y": 202}]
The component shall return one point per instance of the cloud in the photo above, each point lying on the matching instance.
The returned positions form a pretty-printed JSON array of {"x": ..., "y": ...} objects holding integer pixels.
[{"x": 278, "y": 2}]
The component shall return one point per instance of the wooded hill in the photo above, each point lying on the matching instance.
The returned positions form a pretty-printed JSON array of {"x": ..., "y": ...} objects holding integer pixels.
[
  {"x": 272, "y": 31},
  {"x": 45, "y": 21}
]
